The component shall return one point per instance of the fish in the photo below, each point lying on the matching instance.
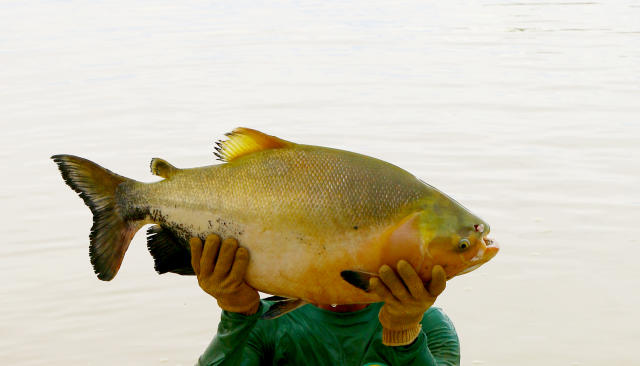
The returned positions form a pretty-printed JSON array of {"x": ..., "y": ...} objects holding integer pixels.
[{"x": 318, "y": 222}]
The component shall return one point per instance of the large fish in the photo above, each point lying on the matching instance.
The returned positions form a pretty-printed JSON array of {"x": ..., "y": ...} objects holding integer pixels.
[{"x": 310, "y": 216}]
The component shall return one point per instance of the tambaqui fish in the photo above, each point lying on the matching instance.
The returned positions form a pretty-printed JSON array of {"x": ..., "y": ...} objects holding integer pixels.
[{"x": 311, "y": 217}]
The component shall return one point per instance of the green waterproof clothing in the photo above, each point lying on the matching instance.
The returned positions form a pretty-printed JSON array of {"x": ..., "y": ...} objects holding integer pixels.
[{"x": 314, "y": 336}]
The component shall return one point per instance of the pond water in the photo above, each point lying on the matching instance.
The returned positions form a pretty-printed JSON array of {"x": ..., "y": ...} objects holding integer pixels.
[{"x": 527, "y": 112}]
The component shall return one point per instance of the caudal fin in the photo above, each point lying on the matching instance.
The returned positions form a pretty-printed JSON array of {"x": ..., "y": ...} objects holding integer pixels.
[{"x": 110, "y": 234}]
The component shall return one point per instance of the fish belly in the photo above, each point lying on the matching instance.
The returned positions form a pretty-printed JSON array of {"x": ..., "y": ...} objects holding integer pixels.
[{"x": 285, "y": 263}]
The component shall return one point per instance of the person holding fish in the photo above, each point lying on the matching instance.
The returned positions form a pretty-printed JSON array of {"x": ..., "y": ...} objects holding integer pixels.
[
  {"x": 404, "y": 330},
  {"x": 323, "y": 226}
]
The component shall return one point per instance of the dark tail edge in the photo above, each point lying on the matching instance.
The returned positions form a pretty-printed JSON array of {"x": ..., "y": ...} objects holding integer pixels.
[{"x": 111, "y": 233}]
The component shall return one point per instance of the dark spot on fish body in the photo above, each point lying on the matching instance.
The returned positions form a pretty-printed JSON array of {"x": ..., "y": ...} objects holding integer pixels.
[
  {"x": 137, "y": 213},
  {"x": 155, "y": 214},
  {"x": 355, "y": 227}
]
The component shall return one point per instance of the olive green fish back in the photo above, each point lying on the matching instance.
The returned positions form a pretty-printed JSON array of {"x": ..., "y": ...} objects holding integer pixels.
[{"x": 310, "y": 188}]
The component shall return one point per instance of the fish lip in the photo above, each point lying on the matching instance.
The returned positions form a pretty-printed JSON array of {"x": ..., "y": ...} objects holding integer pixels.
[
  {"x": 491, "y": 248},
  {"x": 488, "y": 241},
  {"x": 490, "y": 245}
]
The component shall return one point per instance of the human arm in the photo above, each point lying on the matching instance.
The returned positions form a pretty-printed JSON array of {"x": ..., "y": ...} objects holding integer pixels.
[
  {"x": 442, "y": 338},
  {"x": 220, "y": 269},
  {"x": 235, "y": 343}
]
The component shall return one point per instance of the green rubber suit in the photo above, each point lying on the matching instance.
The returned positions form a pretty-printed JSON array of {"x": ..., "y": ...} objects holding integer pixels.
[
  {"x": 403, "y": 330},
  {"x": 314, "y": 336}
]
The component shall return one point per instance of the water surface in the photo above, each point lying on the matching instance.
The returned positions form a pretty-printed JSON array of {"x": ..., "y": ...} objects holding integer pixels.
[{"x": 527, "y": 112}]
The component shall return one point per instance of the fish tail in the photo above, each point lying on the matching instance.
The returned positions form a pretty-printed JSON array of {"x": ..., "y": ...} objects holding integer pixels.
[{"x": 111, "y": 233}]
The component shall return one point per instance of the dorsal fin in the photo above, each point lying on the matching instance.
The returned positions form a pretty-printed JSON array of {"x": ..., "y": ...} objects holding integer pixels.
[
  {"x": 244, "y": 141},
  {"x": 162, "y": 168}
]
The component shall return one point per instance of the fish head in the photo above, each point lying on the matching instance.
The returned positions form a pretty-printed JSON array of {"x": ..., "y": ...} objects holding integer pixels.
[{"x": 455, "y": 239}]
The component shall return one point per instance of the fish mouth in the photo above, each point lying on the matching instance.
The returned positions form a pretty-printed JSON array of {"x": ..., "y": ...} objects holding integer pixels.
[{"x": 489, "y": 248}]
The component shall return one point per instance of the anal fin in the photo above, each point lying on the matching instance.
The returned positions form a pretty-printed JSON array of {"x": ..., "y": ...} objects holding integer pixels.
[
  {"x": 170, "y": 254},
  {"x": 281, "y": 307}
]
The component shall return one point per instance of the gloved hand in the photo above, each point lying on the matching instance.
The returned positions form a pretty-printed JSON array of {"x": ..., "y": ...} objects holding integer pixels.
[
  {"x": 220, "y": 270},
  {"x": 405, "y": 301}
]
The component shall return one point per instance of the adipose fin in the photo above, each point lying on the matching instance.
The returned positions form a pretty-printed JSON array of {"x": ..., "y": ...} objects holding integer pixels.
[{"x": 162, "y": 168}]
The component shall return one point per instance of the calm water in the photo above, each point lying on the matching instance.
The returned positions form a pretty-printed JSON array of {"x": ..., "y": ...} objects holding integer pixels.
[{"x": 526, "y": 112}]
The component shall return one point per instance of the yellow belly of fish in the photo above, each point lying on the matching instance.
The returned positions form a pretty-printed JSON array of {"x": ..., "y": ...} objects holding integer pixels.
[{"x": 291, "y": 264}]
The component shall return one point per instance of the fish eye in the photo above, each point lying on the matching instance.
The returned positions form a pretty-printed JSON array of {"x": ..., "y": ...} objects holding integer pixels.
[{"x": 464, "y": 244}]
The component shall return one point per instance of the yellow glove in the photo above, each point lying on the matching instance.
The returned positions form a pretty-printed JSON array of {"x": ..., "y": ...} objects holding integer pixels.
[
  {"x": 220, "y": 270},
  {"x": 405, "y": 301}
]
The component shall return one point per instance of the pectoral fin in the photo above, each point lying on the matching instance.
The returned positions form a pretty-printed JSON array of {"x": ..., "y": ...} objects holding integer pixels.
[
  {"x": 359, "y": 279},
  {"x": 282, "y": 307},
  {"x": 276, "y": 298}
]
